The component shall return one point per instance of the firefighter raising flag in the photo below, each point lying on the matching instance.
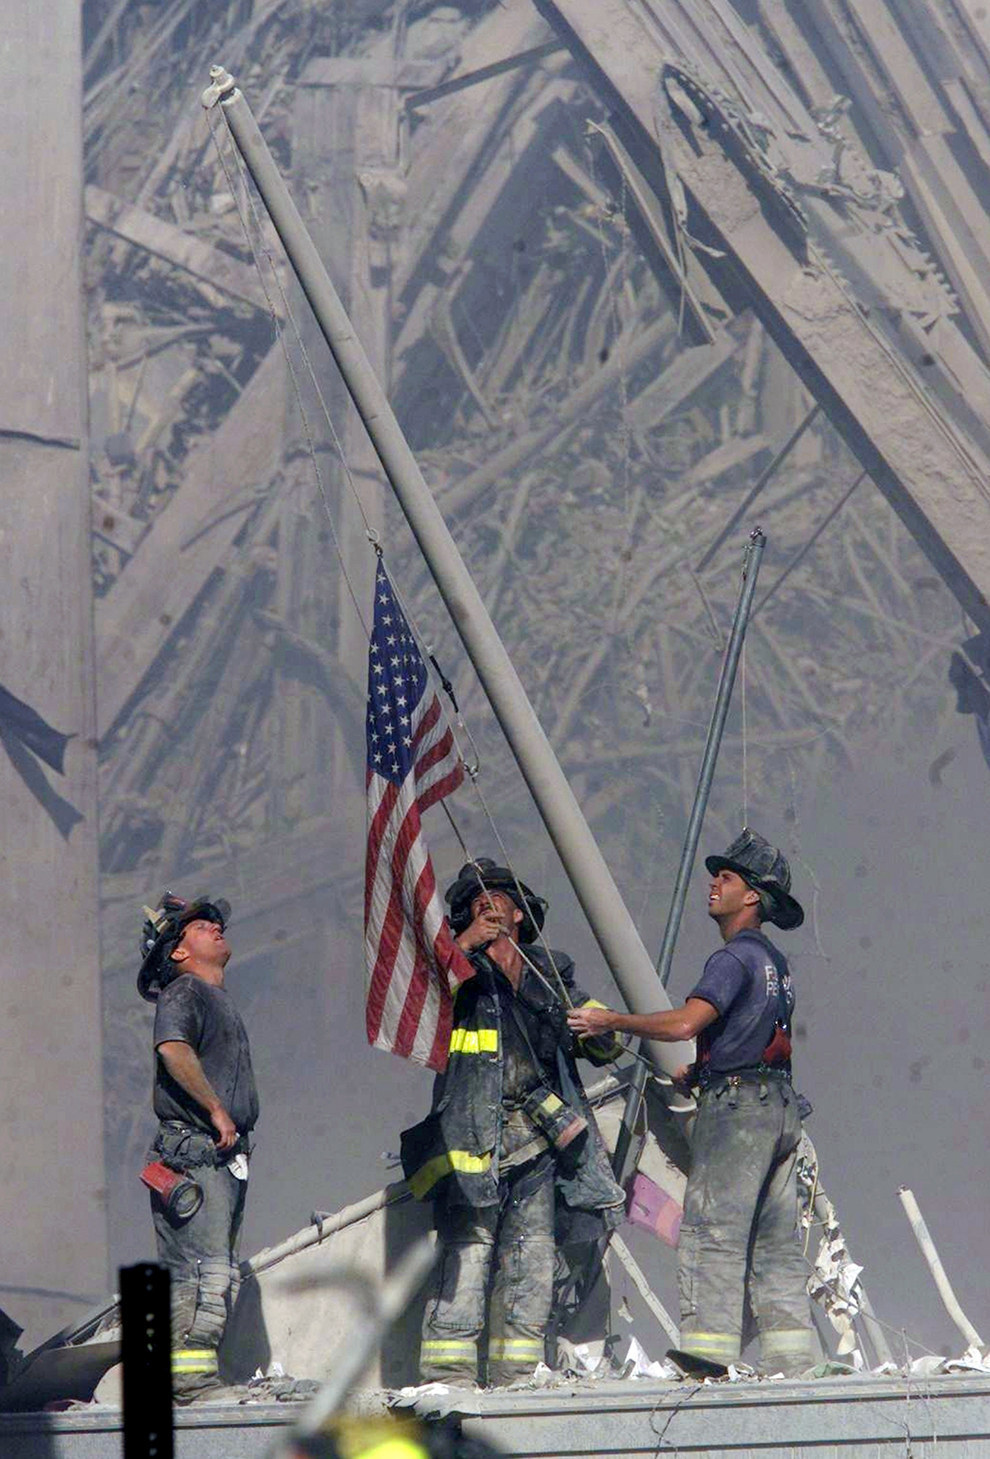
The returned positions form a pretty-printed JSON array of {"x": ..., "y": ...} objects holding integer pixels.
[{"x": 413, "y": 962}]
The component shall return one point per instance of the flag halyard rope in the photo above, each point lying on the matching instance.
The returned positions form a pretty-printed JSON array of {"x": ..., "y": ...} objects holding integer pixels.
[{"x": 257, "y": 250}]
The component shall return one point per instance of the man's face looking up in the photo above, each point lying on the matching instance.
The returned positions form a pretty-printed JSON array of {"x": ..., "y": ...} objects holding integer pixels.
[
  {"x": 505, "y": 908},
  {"x": 202, "y": 941}
]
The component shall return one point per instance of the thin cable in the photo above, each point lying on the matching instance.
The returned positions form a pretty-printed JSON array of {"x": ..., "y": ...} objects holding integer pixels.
[
  {"x": 527, "y": 960},
  {"x": 296, "y": 389},
  {"x": 433, "y": 674},
  {"x": 338, "y": 445},
  {"x": 440, "y": 687},
  {"x": 473, "y": 778},
  {"x": 614, "y": 288},
  {"x": 662, "y": 1441},
  {"x": 564, "y": 994},
  {"x": 867, "y": 1317},
  {"x": 372, "y": 533},
  {"x": 427, "y": 656}
]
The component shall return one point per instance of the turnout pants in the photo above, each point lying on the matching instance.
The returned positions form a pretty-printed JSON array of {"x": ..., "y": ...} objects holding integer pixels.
[
  {"x": 739, "y": 1232},
  {"x": 201, "y": 1255},
  {"x": 508, "y": 1249}
]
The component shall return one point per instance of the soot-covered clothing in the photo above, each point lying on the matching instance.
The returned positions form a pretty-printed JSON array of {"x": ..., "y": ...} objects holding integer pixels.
[
  {"x": 748, "y": 983},
  {"x": 739, "y": 1232},
  {"x": 532, "y": 1027},
  {"x": 499, "y": 1192},
  {"x": 477, "y": 1123},
  {"x": 201, "y": 1255},
  {"x": 196, "y": 1013}
]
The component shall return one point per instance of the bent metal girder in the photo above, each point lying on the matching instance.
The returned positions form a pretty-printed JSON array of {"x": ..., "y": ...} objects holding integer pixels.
[{"x": 845, "y": 340}]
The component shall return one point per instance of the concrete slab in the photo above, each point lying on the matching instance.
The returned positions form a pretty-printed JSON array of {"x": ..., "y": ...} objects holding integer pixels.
[{"x": 859, "y": 1418}]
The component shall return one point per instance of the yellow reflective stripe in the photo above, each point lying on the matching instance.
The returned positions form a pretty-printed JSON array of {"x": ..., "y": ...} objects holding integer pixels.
[
  {"x": 705, "y": 1344},
  {"x": 551, "y": 1104},
  {"x": 515, "y": 1347},
  {"x": 449, "y": 1345},
  {"x": 194, "y": 1360},
  {"x": 426, "y": 1177},
  {"x": 439, "y": 1166},
  {"x": 785, "y": 1340},
  {"x": 474, "y": 1041}
]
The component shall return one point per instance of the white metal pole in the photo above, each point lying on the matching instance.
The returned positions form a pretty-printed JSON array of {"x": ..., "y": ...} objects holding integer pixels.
[{"x": 928, "y": 1251}]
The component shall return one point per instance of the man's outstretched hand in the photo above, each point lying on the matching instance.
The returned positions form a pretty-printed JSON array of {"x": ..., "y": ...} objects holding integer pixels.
[{"x": 587, "y": 1020}]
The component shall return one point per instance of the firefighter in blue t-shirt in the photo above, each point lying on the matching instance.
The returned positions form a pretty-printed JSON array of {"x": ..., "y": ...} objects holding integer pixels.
[{"x": 739, "y": 1233}]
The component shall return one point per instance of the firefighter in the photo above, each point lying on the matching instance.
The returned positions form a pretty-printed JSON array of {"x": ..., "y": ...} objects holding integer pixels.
[
  {"x": 207, "y": 1105},
  {"x": 739, "y": 1233},
  {"x": 511, "y": 1140}
]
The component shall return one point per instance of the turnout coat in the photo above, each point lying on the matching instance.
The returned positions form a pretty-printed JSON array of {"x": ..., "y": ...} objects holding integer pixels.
[{"x": 454, "y": 1152}]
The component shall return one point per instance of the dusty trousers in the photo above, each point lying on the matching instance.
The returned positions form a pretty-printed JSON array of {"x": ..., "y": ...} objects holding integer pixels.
[
  {"x": 739, "y": 1232},
  {"x": 508, "y": 1248},
  {"x": 201, "y": 1255}
]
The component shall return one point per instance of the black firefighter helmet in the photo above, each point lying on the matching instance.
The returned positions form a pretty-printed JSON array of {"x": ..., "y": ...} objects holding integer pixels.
[
  {"x": 484, "y": 876},
  {"x": 765, "y": 869},
  {"x": 163, "y": 927}
]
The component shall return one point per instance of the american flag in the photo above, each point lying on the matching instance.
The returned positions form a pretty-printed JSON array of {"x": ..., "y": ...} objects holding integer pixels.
[{"x": 414, "y": 965}]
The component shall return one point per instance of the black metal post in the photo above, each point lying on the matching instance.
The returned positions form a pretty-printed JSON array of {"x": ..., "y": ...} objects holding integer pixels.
[
  {"x": 751, "y": 567},
  {"x": 146, "y": 1354},
  {"x": 723, "y": 695}
]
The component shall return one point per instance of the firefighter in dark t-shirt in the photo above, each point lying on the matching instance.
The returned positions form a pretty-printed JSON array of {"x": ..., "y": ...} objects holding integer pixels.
[
  {"x": 739, "y": 1233},
  {"x": 207, "y": 1105}
]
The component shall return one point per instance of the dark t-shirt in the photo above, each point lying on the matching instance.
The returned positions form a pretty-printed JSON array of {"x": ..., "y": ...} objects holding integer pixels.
[
  {"x": 741, "y": 982},
  {"x": 198, "y": 1014}
]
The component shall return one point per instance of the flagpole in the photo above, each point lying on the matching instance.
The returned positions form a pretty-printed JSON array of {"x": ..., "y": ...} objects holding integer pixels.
[
  {"x": 716, "y": 726},
  {"x": 621, "y": 945}
]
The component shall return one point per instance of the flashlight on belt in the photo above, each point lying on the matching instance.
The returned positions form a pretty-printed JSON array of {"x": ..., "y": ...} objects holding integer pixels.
[{"x": 179, "y": 1194}]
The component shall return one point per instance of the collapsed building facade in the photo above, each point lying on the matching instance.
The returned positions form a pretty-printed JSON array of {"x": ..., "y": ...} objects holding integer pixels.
[{"x": 753, "y": 285}]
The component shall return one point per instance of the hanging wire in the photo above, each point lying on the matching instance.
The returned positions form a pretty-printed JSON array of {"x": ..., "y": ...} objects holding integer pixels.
[
  {"x": 441, "y": 685},
  {"x": 256, "y": 252},
  {"x": 331, "y": 428},
  {"x": 614, "y": 290}
]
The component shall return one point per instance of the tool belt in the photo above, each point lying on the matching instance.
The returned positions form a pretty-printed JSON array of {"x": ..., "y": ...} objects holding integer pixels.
[
  {"x": 183, "y": 1147},
  {"x": 756, "y": 1074}
]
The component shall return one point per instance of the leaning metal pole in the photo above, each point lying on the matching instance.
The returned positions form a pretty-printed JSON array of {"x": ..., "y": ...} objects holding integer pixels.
[
  {"x": 620, "y": 943},
  {"x": 930, "y": 1253},
  {"x": 723, "y": 695}
]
